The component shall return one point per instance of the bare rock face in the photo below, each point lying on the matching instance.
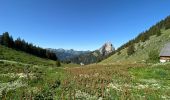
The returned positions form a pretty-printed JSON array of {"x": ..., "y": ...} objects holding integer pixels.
[{"x": 106, "y": 49}]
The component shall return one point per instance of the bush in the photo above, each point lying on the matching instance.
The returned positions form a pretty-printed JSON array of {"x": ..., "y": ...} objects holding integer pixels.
[
  {"x": 158, "y": 33},
  {"x": 153, "y": 56},
  {"x": 130, "y": 50},
  {"x": 58, "y": 63},
  {"x": 118, "y": 53}
]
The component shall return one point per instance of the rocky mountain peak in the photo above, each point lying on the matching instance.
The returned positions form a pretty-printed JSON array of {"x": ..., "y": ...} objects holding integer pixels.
[{"x": 106, "y": 49}]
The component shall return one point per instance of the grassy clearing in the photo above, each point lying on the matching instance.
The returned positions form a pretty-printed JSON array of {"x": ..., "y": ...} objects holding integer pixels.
[{"x": 92, "y": 82}]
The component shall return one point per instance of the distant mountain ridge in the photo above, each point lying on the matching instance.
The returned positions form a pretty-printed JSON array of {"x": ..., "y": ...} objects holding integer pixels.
[
  {"x": 95, "y": 56},
  {"x": 86, "y": 57},
  {"x": 64, "y": 54}
]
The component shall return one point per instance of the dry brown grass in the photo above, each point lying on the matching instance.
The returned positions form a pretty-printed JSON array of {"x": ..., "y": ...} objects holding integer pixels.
[{"x": 95, "y": 79}]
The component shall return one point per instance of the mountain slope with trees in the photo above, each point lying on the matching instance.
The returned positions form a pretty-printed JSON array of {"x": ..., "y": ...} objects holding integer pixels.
[
  {"x": 10, "y": 54},
  {"x": 139, "y": 48},
  {"x": 22, "y": 45}
]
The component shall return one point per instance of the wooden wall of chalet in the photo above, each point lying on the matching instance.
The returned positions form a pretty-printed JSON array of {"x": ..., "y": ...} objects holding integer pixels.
[{"x": 165, "y": 58}]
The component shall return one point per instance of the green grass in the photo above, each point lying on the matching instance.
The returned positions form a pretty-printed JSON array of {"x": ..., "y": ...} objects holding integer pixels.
[
  {"x": 159, "y": 73},
  {"x": 142, "y": 50},
  {"x": 30, "y": 78},
  {"x": 46, "y": 81}
]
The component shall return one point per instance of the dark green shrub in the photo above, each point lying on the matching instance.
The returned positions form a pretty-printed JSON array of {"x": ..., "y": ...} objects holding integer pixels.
[
  {"x": 118, "y": 53},
  {"x": 130, "y": 50},
  {"x": 153, "y": 56},
  {"x": 58, "y": 63},
  {"x": 158, "y": 33}
]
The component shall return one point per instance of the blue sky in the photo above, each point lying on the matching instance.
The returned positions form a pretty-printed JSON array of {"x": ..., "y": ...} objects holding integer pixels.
[{"x": 79, "y": 24}]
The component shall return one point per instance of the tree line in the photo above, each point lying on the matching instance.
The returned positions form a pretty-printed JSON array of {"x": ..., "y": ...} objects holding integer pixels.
[{"x": 22, "y": 45}]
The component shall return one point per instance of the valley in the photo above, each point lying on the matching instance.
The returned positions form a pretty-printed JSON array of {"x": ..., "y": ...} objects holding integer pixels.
[
  {"x": 84, "y": 50},
  {"x": 118, "y": 77}
]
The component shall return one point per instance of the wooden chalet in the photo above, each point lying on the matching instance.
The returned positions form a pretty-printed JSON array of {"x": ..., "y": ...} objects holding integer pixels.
[{"x": 165, "y": 53}]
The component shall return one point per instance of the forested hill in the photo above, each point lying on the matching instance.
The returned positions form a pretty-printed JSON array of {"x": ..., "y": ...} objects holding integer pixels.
[
  {"x": 22, "y": 45},
  {"x": 145, "y": 45},
  {"x": 144, "y": 36}
]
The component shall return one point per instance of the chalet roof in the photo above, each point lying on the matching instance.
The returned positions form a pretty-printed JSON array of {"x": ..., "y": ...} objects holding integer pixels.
[{"x": 165, "y": 50}]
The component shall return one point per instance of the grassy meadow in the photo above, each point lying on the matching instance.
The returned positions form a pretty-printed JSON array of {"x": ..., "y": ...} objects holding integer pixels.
[
  {"x": 92, "y": 82},
  {"x": 118, "y": 82},
  {"x": 120, "y": 77}
]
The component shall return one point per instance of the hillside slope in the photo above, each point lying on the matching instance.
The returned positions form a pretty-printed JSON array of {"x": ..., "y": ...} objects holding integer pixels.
[
  {"x": 19, "y": 56},
  {"x": 141, "y": 50}
]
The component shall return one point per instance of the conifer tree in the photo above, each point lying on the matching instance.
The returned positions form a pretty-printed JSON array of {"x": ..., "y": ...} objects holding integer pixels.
[
  {"x": 6, "y": 39},
  {"x": 158, "y": 33}
]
